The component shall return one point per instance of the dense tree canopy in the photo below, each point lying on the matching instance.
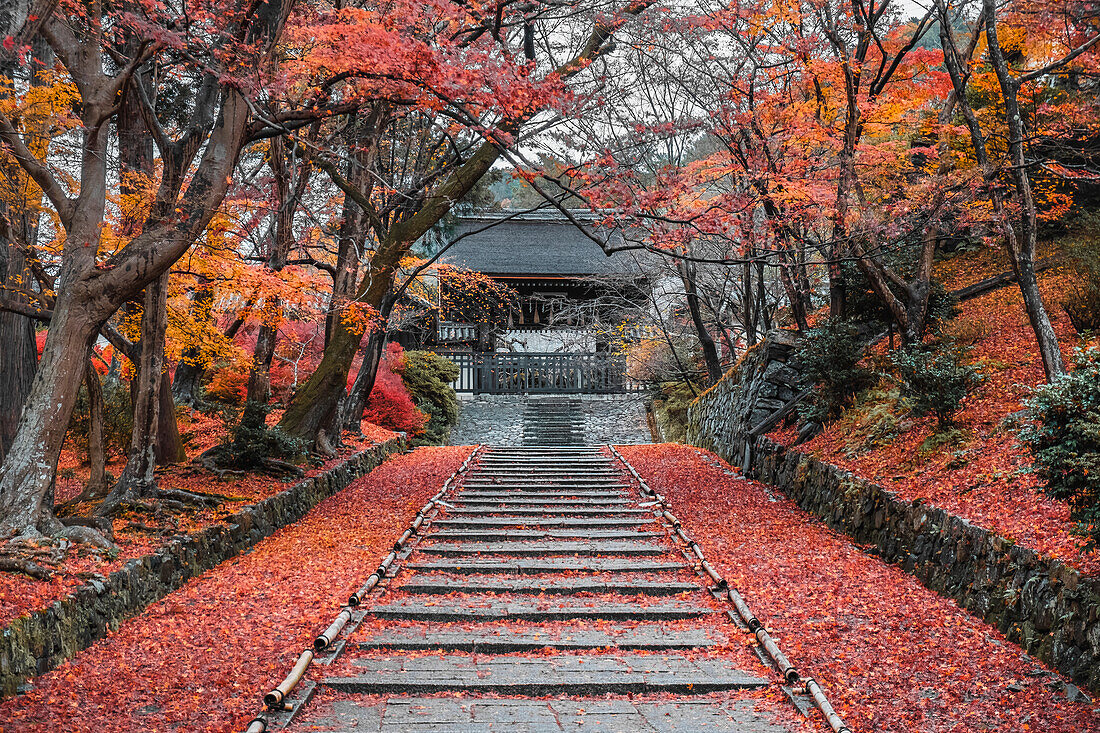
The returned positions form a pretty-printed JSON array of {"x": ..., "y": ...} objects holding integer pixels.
[{"x": 239, "y": 195}]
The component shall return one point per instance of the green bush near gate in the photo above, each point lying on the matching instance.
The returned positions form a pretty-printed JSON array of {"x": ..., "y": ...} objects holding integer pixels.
[{"x": 427, "y": 376}]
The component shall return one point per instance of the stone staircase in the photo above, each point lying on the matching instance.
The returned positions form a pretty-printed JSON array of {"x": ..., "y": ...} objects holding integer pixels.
[
  {"x": 553, "y": 421},
  {"x": 546, "y": 596}
]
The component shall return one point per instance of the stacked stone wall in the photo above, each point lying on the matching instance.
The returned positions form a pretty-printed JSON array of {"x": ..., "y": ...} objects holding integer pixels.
[
  {"x": 1045, "y": 606},
  {"x": 38, "y": 642}
]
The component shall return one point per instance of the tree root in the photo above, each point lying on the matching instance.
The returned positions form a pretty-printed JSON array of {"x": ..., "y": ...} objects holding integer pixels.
[
  {"x": 22, "y": 565},
  {"x": 277, "y": 467},
  {"x": 210, "y": 461}
]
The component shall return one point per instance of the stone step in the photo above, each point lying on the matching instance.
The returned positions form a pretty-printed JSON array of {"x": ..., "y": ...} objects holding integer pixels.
[
  {"x": 544, "y": 486},
  {"x": 537, "y": 473},
  {"x": 543, "y": 494},
  {"x": 558, "y": 453},
  {"x": 555, "y": 460},
  {"x": 544, "y": 521},
  {"x": 539, "y": 676},
  {"x": 554, "y": 511},
  {"x": 512, "y": 639},
  {"x": 538, "y": 549},
  {"x": 484, "y": 715},
  {"x": 415, "y": 610},
  {"x": 554, "y": 467},
  {"x": 542, "y": 473},
  {"x": 505, "y": 534},
  {"x": 432, "y": 584},
  {"x": 547, "y": 565},
  {"x": 525, "y": 501},
  {"x": 553, "y": 464}
]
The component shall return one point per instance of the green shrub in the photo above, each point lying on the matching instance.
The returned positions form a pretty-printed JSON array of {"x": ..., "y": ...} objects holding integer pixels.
[
  {"x": 934, "y": 379},
  {"x": 427, "y": 377},
  {"x": 251, "y": 443},
  {"x": 828, "y": 358},
  {"x": 670, "y": 410},
  {"x": 1063, "y": 434}
]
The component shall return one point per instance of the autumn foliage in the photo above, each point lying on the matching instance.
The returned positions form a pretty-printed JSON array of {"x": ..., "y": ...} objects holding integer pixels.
[
  {"x": 390, "y": 404},
  {"x": 163, "y": 670}
]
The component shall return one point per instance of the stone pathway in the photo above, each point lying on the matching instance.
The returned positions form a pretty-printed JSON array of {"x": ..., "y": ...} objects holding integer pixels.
[{"x": 548, "y": 576}]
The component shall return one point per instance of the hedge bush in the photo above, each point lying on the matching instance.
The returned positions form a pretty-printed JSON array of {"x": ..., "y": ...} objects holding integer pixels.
[
  {"x": 828, "y": 358},
  {"x": 934, "y": 379},
  {"x": 428, "y": 377},
  {"x": 1063, "y": 433}
]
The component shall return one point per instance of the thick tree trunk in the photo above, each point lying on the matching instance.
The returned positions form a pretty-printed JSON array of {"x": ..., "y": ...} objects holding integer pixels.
[
  {"x": 259, "y": 378},
  {"x": 18, "y": 362},
  {"x": 169, "y": 444},
  {"x": 28, "y": 469},
  {"x": 137, "y": 477},
  {"x": 87, "y": 294},
  {"x": 314, "y": 405},
  {"x": 185, "y": 383}
]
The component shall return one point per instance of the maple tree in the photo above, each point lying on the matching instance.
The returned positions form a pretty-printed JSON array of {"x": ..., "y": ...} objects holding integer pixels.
[
  {"x": 513, "y": 90},
  {"x": 95, "y": 274}
]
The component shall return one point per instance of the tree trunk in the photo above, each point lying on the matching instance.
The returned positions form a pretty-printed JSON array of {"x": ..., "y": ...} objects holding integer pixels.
[
  {"x": 315, "y": 404},
  {"x": 259, "y": 377},
  {"x": 706, "y": 341},
  {"x": 185, "y": 383},
  {"x": 87, "y": 294},
  {"x": 31, "y": 461},
  {"x": 1021, "y": 254},
  {"x": 137, "y": 477},
  {"x": 359, "y": 397},
  {"x": 1023, "y": 251},
  {"x": 97, "y": 447},
  {"x": 18, "y": 362},
  {"x": 169, "y": 444}
]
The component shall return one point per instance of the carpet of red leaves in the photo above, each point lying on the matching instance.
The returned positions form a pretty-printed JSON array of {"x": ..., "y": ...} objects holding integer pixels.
[
  {"x": 890, "y": 654},
  {"x": 199, "y": 659},
  {"x": 20, "y": 594},
  {"x": 985, "y": 476}
]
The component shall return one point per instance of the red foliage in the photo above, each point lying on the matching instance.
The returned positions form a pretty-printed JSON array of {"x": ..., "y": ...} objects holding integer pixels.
[
  {"x": 163, "y": 671},
  {"x": 984, "y": 478},
  {"x": 890, "y": 654},
  {"x": 20, "y": 594},
  {"x": 390, "y": 404}
]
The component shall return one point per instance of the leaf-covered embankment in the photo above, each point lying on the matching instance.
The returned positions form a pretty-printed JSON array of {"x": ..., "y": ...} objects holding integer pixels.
[{"x": 891, "y": 654}]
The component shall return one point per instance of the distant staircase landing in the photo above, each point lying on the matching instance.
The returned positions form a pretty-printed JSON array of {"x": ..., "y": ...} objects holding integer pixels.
[{"x": 553, "y": 421}]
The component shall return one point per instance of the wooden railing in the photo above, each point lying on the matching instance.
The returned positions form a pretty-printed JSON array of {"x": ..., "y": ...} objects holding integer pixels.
[{"x": 522, "y": 373}]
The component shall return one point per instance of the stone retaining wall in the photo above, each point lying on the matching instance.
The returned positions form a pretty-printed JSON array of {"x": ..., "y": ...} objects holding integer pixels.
[
  {"x": 1039, "y": 603},
  {"x": 37, "y": 643},
  {"x": 498, "y": 419}
]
